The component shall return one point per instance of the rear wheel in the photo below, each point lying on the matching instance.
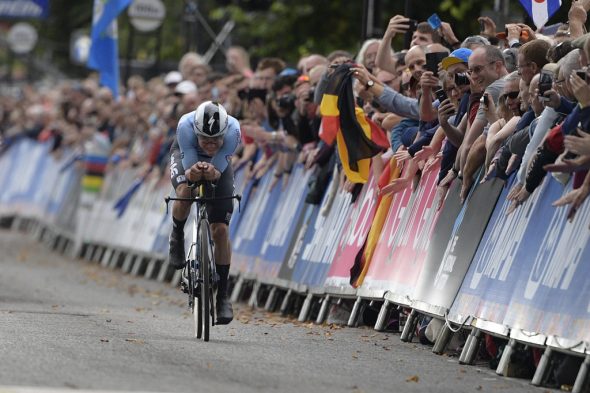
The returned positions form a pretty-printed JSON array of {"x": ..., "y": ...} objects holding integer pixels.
[
  {"x": 204, "y": 263},
  {"x": 197, "y": 313}
]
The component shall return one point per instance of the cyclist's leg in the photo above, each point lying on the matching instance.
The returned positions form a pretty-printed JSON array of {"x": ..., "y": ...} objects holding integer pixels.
[
  {"x": 219, "y": 217},
  {"x": 180, "y": 210}
]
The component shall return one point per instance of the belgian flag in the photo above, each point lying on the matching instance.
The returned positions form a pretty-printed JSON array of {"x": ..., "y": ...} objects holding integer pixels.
[
  {"x": 363, "y": 259},
  {"x": 357, "y": 137}
]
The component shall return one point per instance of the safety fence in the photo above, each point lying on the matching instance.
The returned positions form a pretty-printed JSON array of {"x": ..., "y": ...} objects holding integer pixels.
[{"x": 522, "y": 276}]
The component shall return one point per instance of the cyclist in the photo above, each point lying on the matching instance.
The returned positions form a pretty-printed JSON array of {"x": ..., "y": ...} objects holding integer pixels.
[{"x": 207, "y": 139}]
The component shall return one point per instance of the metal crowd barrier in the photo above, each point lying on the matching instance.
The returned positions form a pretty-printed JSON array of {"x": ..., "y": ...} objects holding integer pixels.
[{"x": 522, "y": 277}]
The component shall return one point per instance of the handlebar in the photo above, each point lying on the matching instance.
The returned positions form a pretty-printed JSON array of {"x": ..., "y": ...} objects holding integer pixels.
[{"x": 205, "y": 200}]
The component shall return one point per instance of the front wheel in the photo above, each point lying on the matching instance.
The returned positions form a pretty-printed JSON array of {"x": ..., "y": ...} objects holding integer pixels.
[
  {"x": 198, "y": 317},
  {"x": 195, "y": 299}
]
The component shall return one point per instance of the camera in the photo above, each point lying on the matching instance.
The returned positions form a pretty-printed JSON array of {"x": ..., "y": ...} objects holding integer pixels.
[
  {"x": 286, "y": 102},
  {"x": 461, "y": 79}
]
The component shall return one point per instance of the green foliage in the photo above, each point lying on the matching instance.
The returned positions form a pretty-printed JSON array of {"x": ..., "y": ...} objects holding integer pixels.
[
  {"x": 291, "y": 29},
  {"x": 285, "y": 28}
]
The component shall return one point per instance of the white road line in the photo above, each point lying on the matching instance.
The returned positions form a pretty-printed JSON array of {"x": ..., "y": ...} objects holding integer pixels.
[{"x": 35, "y": 389}]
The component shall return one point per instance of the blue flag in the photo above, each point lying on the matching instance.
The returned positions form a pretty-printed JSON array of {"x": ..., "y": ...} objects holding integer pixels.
[
  {"x": 104, "y": 52},
  {"x": 541, "y": 10}
]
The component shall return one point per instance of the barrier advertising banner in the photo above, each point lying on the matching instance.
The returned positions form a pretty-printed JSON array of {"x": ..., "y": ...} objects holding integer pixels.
[
  {"x": 254, "y": 224},
  {"x": 296, "y": 265},
  {"x": 401, "y": 250},
  {"x": 440, "y": 282},
  {"x": 551, "y": 270},
  {"x": 283, "y": 227},
  {"x": 243, "y": 188},
  {"x": 28, "y": 162},
  {"x": 322, "y": 236},
  {"x": 485, "y": 291},
  {"x": 355, "y": 232}
]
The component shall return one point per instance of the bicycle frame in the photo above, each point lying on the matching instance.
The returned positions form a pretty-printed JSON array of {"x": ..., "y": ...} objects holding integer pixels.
[{"x": 202, "y": 275}]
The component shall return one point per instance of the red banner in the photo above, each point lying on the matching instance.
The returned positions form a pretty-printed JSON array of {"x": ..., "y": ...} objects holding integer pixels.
[
  {"x": 402, "y": 247},
  {"x": 355, "y": 232}
]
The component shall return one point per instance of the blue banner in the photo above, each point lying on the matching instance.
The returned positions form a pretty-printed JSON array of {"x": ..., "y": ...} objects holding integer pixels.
[
  {"x": 321, "y": 241},
  {"x": 37, "y": 9},
  {"x": 243, "y": 187},
  {"x": 254, "y": 224},
  {"x": 283, "y": 226},
  {"x": 301, "y": 264},
  {"x": 530, "y": 271}
]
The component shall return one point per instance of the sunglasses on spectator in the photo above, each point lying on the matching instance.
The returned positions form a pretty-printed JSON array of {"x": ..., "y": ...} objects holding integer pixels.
[{"x": 512, "y": 95}]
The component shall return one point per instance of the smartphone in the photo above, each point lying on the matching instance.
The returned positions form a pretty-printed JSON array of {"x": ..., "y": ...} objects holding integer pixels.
[
  {"x": 581, "y": 74},
  {"x": 432, "y": 61},
  {"x": 484, "y": 100},
  {"x": 545, "y": 82},
  {"x": 412, "y": 25},
  {"x": 482, "y": 26},
  {"x": 434, "y": 22},
  {"x": 441, "y": 95}
]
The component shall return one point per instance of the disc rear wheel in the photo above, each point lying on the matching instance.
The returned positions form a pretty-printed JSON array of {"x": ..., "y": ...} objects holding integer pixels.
[{"x": 205, "y": 284}]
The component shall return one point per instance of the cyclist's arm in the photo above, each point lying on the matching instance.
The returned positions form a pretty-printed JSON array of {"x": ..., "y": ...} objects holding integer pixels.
[
  {"x": 187, "y": 141},
  {"x": 231, "y": 142}
]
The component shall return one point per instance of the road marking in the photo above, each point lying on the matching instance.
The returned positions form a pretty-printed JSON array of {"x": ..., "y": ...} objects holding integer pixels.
[{"x": 30, "y": 389}]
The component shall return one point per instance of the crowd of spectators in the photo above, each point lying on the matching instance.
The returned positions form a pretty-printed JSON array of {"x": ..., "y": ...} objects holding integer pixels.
[{"x": 509, "y": 99}]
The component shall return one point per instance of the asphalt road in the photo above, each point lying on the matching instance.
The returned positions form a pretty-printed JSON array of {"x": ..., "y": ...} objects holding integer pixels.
[{"x": 67, "y": 324}]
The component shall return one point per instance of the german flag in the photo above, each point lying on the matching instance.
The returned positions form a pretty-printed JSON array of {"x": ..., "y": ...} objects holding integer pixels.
[{"x": 357, "y": 137}]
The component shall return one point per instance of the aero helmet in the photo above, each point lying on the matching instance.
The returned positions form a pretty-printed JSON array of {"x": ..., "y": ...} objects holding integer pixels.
[{"x": 210, "y": 119}]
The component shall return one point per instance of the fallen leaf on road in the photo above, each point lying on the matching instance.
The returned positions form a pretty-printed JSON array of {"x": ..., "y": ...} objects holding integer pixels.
[
  {"x": 413, "y": 378},
  {"x": 478, "y": 387},
  {"x": 135, "y": 340},
  {"x": 109, "y": 320}
]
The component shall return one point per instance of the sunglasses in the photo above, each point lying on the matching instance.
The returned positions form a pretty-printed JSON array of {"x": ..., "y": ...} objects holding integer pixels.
[{"x": 512, "y": 95}]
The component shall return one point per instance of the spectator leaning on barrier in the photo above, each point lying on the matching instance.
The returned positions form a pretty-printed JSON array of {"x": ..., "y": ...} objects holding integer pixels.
[{"x": 487, "y": 70}]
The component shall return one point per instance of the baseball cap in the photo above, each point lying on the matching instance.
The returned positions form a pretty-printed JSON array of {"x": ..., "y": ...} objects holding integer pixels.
[
  {"x": 172, "y": 78},
  {"x": 186, "y": 87},
  {"x": 460, "y": 55}
]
